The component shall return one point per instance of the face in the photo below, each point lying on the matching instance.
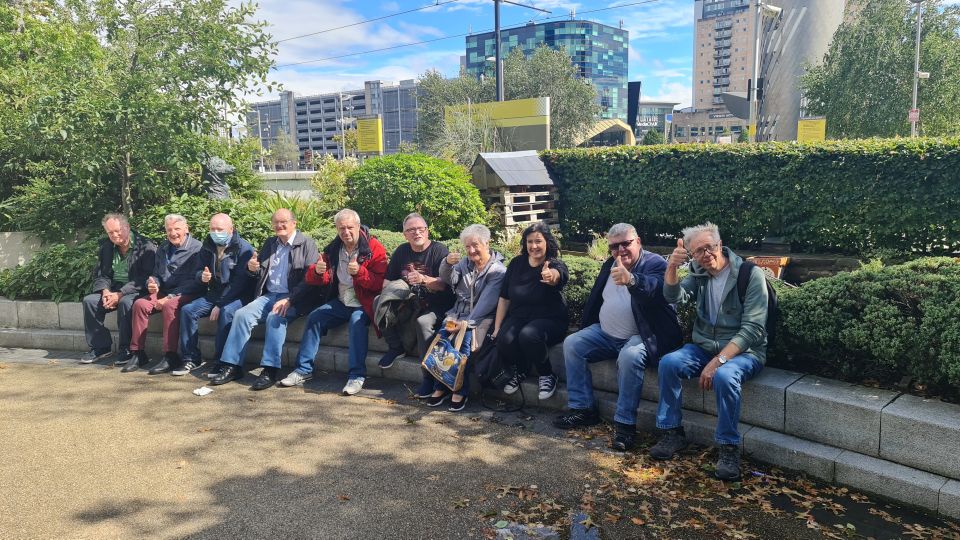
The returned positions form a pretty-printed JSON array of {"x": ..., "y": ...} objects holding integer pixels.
[
  {"x": 117, "y": 232},
  {"x": 176, "y": 232},
  {"x": 283, "y": 225},
  {"x": 220, "y": 224},
  {"x": 416, "y": 232},
  {"x": 349, "y": 231},
  {"x": 627, "y": 247},
  {"x": 707, "y": 251},
  {"x": 477, "y": 251},
  {"x": 536, "y": 245}
]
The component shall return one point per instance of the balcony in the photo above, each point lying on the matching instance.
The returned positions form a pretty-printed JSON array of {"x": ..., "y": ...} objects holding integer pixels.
[
  {"x": 723, "y": 34},
  {"x": 721, "y": 54},
  {"x": 723, "y": 81}
]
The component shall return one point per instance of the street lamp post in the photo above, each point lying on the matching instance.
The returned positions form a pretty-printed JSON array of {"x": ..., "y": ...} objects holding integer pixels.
[
  {"x": 763, "y": 8},
  {"x": 914, "y": 113}
]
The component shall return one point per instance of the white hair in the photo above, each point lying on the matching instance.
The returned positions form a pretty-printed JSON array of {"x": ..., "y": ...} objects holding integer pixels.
[
  {"x": 346, "y": 213},
  {"x": 622, "y": 229},
  {"x": 175, "y": 218},
  {"x": 477, "y": 231},
  {"x": 690, "y": 233}
]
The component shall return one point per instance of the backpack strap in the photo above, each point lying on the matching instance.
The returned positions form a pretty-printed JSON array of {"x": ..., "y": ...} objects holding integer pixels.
[{"x": 743, "y": 279}]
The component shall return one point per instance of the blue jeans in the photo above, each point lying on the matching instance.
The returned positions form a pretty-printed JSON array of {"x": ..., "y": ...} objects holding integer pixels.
[
  {"x": 332, "y": 315},
  {"x": 190, "y": 316},
  {"x": 688, "y": 362},
  {"x": 593, "y": 345},
  {"x": 248, "y": 317}
]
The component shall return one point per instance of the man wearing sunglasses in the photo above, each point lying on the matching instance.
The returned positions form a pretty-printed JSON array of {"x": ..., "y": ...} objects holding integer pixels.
[
  {"x": 626, "y": 317},
  {"x": 729, "y": 341}
]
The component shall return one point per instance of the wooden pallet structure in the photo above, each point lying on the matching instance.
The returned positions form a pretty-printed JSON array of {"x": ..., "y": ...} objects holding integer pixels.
[{"x": 517, "y": 187}]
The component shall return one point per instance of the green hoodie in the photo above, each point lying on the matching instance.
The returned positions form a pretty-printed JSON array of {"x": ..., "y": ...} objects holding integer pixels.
[{"x": 745, "y": 324}]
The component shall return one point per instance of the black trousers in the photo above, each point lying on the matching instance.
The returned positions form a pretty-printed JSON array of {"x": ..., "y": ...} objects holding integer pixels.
[
  {"x": 98, "y": 337},
  {"x": 522, "y": 342}
]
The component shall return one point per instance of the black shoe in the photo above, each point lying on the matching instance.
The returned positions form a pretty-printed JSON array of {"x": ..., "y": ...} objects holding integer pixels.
[
  {"x": 673, "y": 441},
  {"x": 122, "y": 357},
  {"x": 625, "y": 436},
  {"x": 425, "y": 390},
  {"x": 577, "y": 418},
  {"x": 457, "y": 406},
  {"x": 93, "y": 355},
  {"x": 137, "y": 361},
  {"x": 215, "y": 370},
  {"x": 229, "y": 373},
  {"x": 728, "y": 463},
  {"x": 438, "y": 400},
  {"x": 162, "y": 366},
  {"x": 387, "y": 360},
  {"x": 267, "y": 378}
]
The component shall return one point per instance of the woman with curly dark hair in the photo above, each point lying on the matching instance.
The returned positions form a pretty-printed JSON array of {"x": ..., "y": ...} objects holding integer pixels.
[{"x": 531, "y": 313}]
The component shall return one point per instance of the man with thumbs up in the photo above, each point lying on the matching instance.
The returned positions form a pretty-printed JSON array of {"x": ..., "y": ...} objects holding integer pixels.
[
  {"x": 225, "y": 256},
  {"x": 625, "y": 317}
]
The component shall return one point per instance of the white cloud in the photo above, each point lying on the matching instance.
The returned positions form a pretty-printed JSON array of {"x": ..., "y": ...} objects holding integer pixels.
[
  {"x": 390, "y": 7},
  {"x": 676, "y": 92}
]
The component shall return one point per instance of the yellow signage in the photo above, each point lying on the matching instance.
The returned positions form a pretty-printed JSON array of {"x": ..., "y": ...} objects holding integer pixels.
[
  {"x": 811, "y": 129},
  {"x": 370, "y": 135},
  {"x": 524, "y": 123},
  {"x": 752, "y": 131}
]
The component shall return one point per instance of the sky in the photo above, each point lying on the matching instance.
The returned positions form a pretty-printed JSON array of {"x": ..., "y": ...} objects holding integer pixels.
[{"x": 661, "y": 39}]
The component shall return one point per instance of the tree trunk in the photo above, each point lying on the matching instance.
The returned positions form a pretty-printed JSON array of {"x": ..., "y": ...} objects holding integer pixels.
[{"x": 126, "y": 189}]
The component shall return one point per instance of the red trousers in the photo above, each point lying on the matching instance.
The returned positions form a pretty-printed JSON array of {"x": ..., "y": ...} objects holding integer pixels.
[{"x": 140, "y": 315}]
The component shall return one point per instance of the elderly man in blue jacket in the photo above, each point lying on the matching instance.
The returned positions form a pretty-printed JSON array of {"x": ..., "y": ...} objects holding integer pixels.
[
  {"x": 224, "y": 259},
  {"x": 626, "y": 317}
]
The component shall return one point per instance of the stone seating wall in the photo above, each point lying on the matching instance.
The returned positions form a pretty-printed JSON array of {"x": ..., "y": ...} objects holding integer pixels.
[{"x": 890, "y": 444}]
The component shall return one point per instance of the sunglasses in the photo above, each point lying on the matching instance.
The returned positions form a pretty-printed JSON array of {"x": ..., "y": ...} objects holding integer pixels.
[
  {"x": 709, "y": 248},
  {"x": 621, "y": 245}
]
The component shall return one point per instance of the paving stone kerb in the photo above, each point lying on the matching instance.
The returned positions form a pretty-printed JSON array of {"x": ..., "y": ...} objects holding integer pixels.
[{"x": 831, "y": 430}]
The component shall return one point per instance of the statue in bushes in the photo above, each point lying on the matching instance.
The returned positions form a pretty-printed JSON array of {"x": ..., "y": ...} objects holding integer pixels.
[
  {"x": 729, "y": 340},
  {"x": 215, "y": 173}
]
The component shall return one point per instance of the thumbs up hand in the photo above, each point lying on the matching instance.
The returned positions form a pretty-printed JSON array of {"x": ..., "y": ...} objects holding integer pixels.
[
  {"x": 679, "y": 256},
  {"x": 354, "y": 266},
  {"x": 619, "y": 274},
  {"x": 253, "y": 264},
  {"x": 453, "y": 258},
  {"x": 547, "y": 274},
  {"x": 321, "y": 267},
  {"x": 152, "y": 286},
  {"x": 206, "y": 275}
]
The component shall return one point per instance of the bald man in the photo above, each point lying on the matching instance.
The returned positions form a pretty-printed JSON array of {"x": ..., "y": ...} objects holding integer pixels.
[{"x": 229, "y": 286}]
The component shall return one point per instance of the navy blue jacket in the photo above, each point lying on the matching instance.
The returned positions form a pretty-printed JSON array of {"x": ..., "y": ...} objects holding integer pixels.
[
  {"x": 655, "y": 318},
  {"x": 177, "y": 274},
  {"x": 231, "y": 280}
]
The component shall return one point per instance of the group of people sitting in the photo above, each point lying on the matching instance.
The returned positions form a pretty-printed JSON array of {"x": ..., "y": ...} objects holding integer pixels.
[{"x": 629, "y": 316}]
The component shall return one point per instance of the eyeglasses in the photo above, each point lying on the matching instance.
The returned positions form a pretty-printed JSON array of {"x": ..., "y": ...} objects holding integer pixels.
[
  {"x": 703, "y": 250},
  {"x": 413, "y": 230},
  {"x": 621, "y": 245}
]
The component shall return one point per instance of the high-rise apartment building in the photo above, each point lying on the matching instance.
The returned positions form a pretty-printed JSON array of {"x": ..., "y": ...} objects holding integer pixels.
[{"x": 598, "y": 51}]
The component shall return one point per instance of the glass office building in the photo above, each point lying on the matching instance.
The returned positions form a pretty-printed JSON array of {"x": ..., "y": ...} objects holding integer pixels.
[{"x": 598, "y": 51}]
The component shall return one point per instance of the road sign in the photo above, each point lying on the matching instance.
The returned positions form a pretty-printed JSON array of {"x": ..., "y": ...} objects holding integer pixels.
[
  {"x": 914, "y": 115},
  {"x": 811, "y": 129},
  {"x": 668, "y": 117}
]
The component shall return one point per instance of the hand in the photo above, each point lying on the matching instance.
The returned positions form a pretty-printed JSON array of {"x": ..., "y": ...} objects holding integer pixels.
[
  {"x": 110, "y": 299},
  {"x": 321, "y": 266},
  {"x": 280, "y": 307},
  {"x": 706, "y": 377},
  {"x": 152, "y": 286},
  {"x": 619, "y": 274},
  {"x": 253, "y": 264},
  {"x": 496, "y": 330},
  {"x": 679, "y": 257},
  {"x": 413, "y": 277},
  {"x": 547, "y": 274},
  {"x": 214, "y": 313},
  {"x": 162, "y": 301},
  {"x": 353, "y": 267},
  {"x": 205, "y": 275},
  {"x": 453, "y": 258}
]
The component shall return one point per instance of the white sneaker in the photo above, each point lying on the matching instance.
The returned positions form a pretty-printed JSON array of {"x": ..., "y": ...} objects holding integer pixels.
[
  {"x": 513, "y": 384},
  {"x": 295, "y": 378},
  {"x": 353, "y": 386},
  {"x": 547, "y": 386}
]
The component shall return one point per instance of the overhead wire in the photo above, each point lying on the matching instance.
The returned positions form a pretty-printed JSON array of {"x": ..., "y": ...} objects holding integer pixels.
[{"x": 366, "y": 21}]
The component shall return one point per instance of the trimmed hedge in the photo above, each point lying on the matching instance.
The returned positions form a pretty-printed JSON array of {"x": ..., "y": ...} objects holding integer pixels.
[{"x": 889, "y": 197}]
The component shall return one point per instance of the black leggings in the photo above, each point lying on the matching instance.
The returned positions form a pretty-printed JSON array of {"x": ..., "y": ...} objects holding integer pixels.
[{"x": 521, "y": 342}]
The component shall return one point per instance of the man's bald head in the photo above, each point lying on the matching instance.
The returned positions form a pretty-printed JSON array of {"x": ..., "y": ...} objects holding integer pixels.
[{"x": 221, "y": 222}]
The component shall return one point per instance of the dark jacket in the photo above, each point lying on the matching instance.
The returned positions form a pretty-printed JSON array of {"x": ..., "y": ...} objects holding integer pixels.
[
  {"x": 368, "y": 282},
  {"x": 303, "y": 253},
  {"x": 177, "y": 273},
  {"x": 140, "y": 262},
  {"x": 655, "y": 318},
  {"x": 230, "y": 280}
]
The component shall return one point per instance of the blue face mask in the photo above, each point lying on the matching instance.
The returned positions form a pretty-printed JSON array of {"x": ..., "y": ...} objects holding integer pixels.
[{"x": 220, "y": 238}]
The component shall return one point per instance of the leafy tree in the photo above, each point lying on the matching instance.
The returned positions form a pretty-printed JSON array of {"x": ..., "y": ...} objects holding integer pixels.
[
  {"x": 864, "y": 85},
  {"x": 350, "y": 140},
  {"x": 386, "y": 189},
  {"x": 652, "y": 137},
  {"x": 330, "y": 182},
  {"x": 434, "y": 93},
  {"x": 743, "y": 137},
  {"x": 284, "y": 154},
  {"x": 466, "y": 135}
]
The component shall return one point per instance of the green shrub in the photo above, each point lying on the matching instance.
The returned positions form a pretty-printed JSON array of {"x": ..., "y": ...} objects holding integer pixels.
[
  {"x": 583, "y": 272},
  {"x": 57, "y": 272},
  {"x": 859, "y": 196},
  {"x": 251, "y": 217},
  {"x": 388, "y": 188},
  {"x": 330, "y": 182}
]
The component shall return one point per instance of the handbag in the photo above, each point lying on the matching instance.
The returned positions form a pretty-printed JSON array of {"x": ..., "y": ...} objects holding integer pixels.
[{"x": 446, "y": 357}]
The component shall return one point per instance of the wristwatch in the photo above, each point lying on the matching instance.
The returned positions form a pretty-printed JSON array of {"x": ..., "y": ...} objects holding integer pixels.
[
  {"x": 722, "y": 359},
  {"x": 633, "y": 281}
]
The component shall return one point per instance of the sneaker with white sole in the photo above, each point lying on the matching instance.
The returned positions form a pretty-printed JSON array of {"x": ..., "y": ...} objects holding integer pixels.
[
  {"x": 184, "y": 368},
  {"x": 514, "y": 383},
  {"x": 93, "y": 355},
  {"x": 295, "y": 378},
  {"x": 548, "y": 386},
  {"x": 353, "y": 386}
]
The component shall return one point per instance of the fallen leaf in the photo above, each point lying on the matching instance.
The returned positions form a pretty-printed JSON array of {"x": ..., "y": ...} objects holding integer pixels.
[
  {"x": 502, "y": 524},
  {"x": 181, "y": 464},
  {"x": 343, "y": 498},
  {"x": 637, "y": 521}
]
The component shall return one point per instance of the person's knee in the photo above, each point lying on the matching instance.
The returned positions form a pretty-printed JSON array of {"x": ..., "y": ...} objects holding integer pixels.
[
  {"x": 358, "y": 317},
  {"x": 143, "y": 306},
  {"x": 571, "y": 347},
  {"x": 530, "y": 335},
  {"x": 670, "y": 363},
  {"x": 632, "y": 358},
  {"x": 92, "y": 300},
  {"x": 726, "y": 380}
]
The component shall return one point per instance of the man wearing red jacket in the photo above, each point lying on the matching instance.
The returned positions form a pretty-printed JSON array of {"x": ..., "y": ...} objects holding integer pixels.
[{"x": 352, "y": 266}]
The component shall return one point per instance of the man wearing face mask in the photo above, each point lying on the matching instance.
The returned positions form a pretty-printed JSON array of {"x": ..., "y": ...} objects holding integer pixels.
[{"x": 224, "y": 259}]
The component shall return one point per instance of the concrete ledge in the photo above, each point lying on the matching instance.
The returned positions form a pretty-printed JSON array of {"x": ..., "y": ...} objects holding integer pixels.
[
  {"x": 950, "y": 499},
  {"x": 8, "y": 313},
  {"x": 836, "y": 413},
  {"x": 890, "y": 480},
  {"x": 38, "y": 314},
  {"x": 764, "y": 401},
  {"x": 921, "y": 433},
  {"x": 817, "y": 460}
]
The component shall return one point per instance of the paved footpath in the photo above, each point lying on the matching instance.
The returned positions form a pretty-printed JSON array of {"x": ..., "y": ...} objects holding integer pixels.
[{"x": 90, "y": 452}]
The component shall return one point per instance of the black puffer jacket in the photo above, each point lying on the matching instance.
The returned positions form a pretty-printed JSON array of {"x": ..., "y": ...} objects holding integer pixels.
[{"x": 140, "y": 261}]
